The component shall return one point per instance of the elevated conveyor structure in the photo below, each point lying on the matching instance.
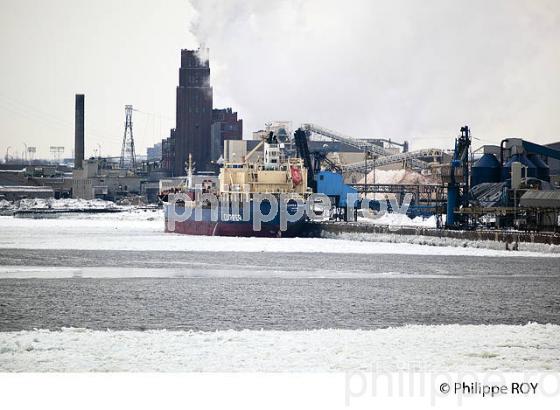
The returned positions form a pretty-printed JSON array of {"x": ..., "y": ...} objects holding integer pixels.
[
  {"x": 364, "y": 146},
  {"x": 410, "y": 157}
]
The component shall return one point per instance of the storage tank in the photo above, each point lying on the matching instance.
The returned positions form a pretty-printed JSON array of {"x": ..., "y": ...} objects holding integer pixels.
[
  {"x": 531, "y": 168},
  {"x": 543, "y": 171},
  {"x": 486, "y": 169}
]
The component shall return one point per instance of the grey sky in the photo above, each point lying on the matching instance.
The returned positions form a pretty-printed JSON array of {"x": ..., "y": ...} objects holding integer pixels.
[{"x": 414, "y": 70}]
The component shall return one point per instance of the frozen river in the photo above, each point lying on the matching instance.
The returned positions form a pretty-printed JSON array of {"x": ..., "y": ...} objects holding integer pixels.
[
  {"x": 123, "y": 273},
  {"x": 132, "y": 290}
]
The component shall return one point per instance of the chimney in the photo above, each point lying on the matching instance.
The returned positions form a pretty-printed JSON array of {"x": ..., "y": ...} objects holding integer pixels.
[{"x": 79, "y": 132}]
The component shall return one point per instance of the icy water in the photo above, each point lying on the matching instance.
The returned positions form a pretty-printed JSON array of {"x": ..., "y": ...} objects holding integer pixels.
[{"x": 130, "y": 290}]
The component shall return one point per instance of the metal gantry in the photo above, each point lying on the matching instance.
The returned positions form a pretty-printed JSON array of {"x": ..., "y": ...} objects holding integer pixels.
[{"x": 427, "y": 194}]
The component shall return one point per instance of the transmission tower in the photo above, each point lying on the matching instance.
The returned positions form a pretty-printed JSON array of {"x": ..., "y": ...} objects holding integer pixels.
[
  {"x": 31, "y": 151},
  {"x": 128, "y": 157},
  {"x": 56, "y": 152}
]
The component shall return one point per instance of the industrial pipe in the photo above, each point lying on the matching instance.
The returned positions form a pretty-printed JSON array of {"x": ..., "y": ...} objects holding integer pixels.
[{"x": 502, "y": 151}]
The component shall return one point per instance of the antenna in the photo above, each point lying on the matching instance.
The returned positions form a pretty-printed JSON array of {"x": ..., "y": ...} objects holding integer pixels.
[{"x": 128, "y": 156}]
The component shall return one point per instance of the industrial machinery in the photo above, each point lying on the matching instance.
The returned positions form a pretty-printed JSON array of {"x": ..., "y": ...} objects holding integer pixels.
[
  {"x": 458, "y": 186},
  {"x": 330, "y": 181},
  {"x": 499, "y": 180},
  {"x": 501, "y": 189},
  {"x": 300, "y": 138},
  {"x": 372, "y": 149}
]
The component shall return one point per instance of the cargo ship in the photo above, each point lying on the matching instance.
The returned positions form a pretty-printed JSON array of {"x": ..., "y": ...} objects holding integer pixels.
[{"x": 239, "y": 194}]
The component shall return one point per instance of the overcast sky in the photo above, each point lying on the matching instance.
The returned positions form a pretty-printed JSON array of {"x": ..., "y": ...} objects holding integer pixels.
[{"x": 414, "y": 70}]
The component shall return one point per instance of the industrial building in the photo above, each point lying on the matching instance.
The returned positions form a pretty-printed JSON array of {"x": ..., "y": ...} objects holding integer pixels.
[
  {"x": 510, "y": 186},
  {"x": 506, "y": 186},
  {"x": 194, "y": 110},
  {"x": 554, "y": 166},
  {"x": 57, "y": 179},
  {"x": 154, "y": 153},
  {"x": 200, "y": 129},
  {"x": 15, "y": 193},
  {"x": 97, "y": 179},
  {"x": 225, "y": 127},
  {"x": 111, "y": 178}
]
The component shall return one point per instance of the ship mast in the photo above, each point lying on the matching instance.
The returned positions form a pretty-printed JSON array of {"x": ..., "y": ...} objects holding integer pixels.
[{"x": 189, "y": 172}]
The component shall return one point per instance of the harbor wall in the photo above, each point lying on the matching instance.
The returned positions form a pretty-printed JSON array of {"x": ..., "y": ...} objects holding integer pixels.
[{"x": 320, "y": 229}]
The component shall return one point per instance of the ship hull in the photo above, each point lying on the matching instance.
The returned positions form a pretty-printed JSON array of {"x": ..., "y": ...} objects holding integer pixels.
[{"x": 228, "y": 223}]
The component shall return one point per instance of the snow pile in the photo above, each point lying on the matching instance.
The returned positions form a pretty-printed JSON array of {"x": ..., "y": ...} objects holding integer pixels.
[
  {"x": 393, "y": 219},
  {"x": 532, "y": 347},
  {"x": 61, "y": 204},
  {"x": 399, "y": 176}
]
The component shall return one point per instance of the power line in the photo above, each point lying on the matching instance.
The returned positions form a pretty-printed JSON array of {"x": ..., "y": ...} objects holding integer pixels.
[{"x": 30, "y": 112}]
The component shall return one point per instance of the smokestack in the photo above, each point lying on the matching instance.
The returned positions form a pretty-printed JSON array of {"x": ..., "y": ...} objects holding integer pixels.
[{"x": 79, "y": 132}]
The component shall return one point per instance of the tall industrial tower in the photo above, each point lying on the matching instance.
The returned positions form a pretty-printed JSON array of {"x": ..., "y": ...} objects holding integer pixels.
[
  {"x": 128, "y": 156},
  {"x": 194, "y": 111}
]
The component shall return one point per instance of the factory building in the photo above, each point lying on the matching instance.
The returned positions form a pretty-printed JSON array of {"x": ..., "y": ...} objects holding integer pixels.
[
  {"x": 225, "y": 126},
  {"x": 97, "y": 179},
  {"x": 194, "y": 111},
  {"x": 168, "y": 152},
  {"x": 15, "y": 193},
  {"x": 154, "y": 153},
  {"x": 55, "y": 178},
  {"x": 200, "y": 129}
]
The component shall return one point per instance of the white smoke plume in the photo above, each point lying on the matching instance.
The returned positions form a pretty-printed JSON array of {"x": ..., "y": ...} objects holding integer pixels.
[{"x": 415, "y": 70}]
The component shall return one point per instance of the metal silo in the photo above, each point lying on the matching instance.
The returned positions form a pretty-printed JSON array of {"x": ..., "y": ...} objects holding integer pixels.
[
  {"x": 531, "y": 168},
  {"x": 486, "y": 169}
]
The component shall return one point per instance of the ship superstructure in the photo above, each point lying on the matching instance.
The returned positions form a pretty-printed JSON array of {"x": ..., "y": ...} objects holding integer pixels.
[{"x": 247, "y": 190}]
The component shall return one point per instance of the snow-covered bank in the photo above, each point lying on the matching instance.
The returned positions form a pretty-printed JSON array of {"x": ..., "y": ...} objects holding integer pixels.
[
  {"x": 58, "y": 204},
  {"x": 144, "y": 231},
  {"x": 417, "y": 348},
  {"x": 432, "y": 241}
]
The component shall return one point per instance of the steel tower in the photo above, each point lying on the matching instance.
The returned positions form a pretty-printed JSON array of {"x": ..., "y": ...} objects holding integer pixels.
[{"x": 128, "y": 156}]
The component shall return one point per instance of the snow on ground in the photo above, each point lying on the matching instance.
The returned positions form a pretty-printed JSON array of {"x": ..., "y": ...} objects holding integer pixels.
[
  {"x": 145, "y": 231},
  {"x": 532, "y": 347},
  {"x": 400, "y": 220},
  {"x": 5, "y": 204},
  {"x": 66, "y": 204},
  {"x": 51, "y": 203}
]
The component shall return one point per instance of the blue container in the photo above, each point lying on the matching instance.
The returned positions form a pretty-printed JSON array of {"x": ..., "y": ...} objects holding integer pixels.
[
  {"x": 543, "y": 171},
  {"x": 531, "y": 168},
  {"x": 486, "y": 169}
]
